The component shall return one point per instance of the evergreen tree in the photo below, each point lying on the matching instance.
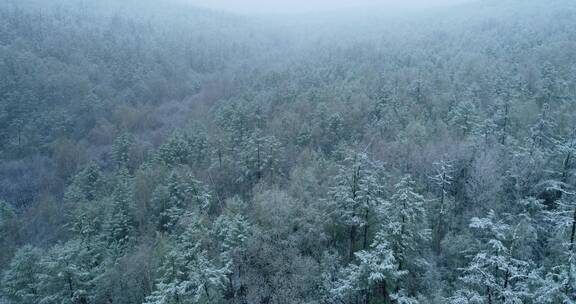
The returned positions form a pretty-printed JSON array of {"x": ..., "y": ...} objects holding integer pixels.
[
  {"x": 373, "y": 277},
  {"x": 495, "y": 273},
  {"x": 259, "y": 158},
  {"x": 541, "y": 134},
  {"x": 355, "y": 196},
  {"x": 20, "y": 282},
  {"x": 67, "y": 274},
  {"x": 121, "y": 150},
  {"x": 464, "y": 117},
  {"x": 502, "y": 119},
  {"x": 181, "y": 194},
  {"x": 119, "y": 224},
  {"x": 233, "y": 231},
  {"x": 405, "y": 222},
  {"x": 443, "y": 179},
  {"x": 188, "y": 275}
]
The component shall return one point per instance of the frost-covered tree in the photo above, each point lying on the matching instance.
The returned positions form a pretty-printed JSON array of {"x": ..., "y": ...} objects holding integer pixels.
[
  {"x": 232, "y": 232},
  {"x": 371, "y": 277},
  {"x": 20, "y": 281},
  {"x": 567, "y": 150},
  {"x": 502, "y": 118},
  {"x": 558, "y": 283},
  {"x": 119, "y": 223},
  {"x": 403, "y": 219},
  {"x": 358, "y": 191},
  {"x": 188, "y": 275},
  {"x": 183, "y": 148},
  {"x": 181, "y": 194},
  {"x": 259, "y": 158},
  {"x": 121, "y": 150},
  {"x": 464, "y": 116},
  {"x": 495, "y": 273},
  {"x": 443, "y": 179},
  {"x": 67, "y": 274},
  {"x": 542, "y": 137}
]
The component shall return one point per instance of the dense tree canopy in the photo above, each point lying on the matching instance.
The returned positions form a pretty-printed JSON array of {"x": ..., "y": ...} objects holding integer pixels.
[{"x": 172, "y": 154}]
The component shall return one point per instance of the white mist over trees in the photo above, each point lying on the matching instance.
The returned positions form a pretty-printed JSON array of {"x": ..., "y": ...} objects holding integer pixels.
[
  {"x": 177, "y": 152},
  {"x": 312, "y": 6}
]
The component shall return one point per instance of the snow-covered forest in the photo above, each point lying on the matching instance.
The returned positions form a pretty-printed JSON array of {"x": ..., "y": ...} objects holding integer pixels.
[{"x": 156, "y": 152}]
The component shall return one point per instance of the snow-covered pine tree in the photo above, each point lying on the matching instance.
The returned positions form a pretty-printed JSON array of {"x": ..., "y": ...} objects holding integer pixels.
[
  {"x": 119, "y": 222},
  {"x": 464, "y": 116},
  {"x": 259, "y": 158},
  {"x": 121, "y": 150},
  {"x": 495, "y": 274},
  {"x": 21, "y": 279},
  {"x": 232, "y": 232},
  {"x": 443, "y": 179},
  {"x": 182, "y": 194},
  {"x": 188, "y": 275},
  {"x": 67, "y": 274},
  {"x": 375, "y": 275},
  {"x": 404, "y": 225},
  {"x": 357, "y": 192},
  {"x": 542, "y": 139}
]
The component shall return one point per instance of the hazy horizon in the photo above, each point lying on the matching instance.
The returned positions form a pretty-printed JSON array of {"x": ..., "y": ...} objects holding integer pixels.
[{"x": 315, "y": 6}]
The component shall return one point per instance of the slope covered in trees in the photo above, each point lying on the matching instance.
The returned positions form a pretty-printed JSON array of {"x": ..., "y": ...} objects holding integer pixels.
[{"x": 172, "y": 154}]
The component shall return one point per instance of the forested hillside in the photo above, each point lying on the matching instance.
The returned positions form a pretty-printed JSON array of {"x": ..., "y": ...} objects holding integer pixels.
[{"x": 154, "y": 152}]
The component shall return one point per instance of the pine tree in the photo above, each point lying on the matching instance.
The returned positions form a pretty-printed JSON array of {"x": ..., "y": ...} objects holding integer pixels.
[
  {"x": 188, "y": 275},
  {"x": 541, "y": 134},
  {"x": 502, "y": 119},
  {"x": 404, "y": 219},
  {"x": 373, "y": 277},
  {"x": 567, "y": 150},
  {"x": 561, "y": 277},
  {"x": 20, "y": 281},
  {"x": 119, "y": 223},
  {"x": 121, "y": 150},
  {"x": 464, "y": 117},
  {"x": 177, "y": 150},
  {"x": 259, "y": 158},
  {"x": 355, "y": 196},
  {"x": 443, "y": 179},
  {"x": 495, "y": 273},
  {"x": 90, "y": 181},
  {"x": 67, "y": 275},
  {"x": 232, "y": 232},
  {"x": 181, "y": 194}
]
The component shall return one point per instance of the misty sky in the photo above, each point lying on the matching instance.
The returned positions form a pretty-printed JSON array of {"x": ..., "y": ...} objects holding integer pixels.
[{"x": 302, "y": 6}]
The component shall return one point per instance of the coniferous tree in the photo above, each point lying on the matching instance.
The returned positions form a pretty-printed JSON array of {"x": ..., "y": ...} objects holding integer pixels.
[
  {"x": 496, "y": 274},
  {"x": 355, "y": 196},
  {"x": 20, "y": 282},
  {"x": 403, "y": 219},
  {"x": 443, "y": 179}
]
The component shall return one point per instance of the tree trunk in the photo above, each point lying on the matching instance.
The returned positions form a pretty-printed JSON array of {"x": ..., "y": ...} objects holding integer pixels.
[
  {"x": 366, "y": 227},
  {"x": 573, "y": 231},
  {"x": 352, "y": 241},
  {"x": 439, "y": 225},
  {"x": 384, "y": 292},
  {"x": 70, "y": 286},
  {"x": 503, "y": 140},
  {"x": 506, "y": 277},
  {"x": 258, "y": 166},
  {"x": 367, "y": 296},
  {"x": 566, "y": 168}
]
